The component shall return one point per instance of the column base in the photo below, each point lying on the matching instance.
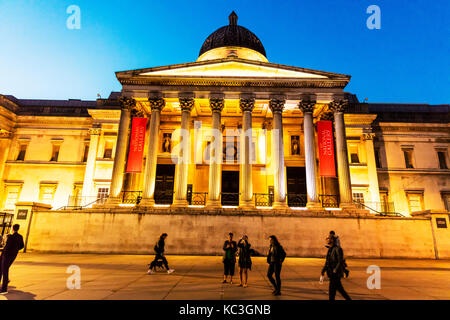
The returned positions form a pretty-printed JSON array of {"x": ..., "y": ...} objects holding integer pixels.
[
  {"x": 246, "y": 205},
  {"x": 179, "y": 203},
  {"x": 280, "y": 205},
  {"x": 347, "y": 205},
  {"x": 147, "y": 202},
  {"x": 213, "y": 204},
  {"x": 314, "y": 206}
]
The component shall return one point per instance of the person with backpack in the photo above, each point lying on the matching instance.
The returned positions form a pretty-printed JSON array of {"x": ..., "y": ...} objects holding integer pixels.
[
  {"x": 275, "y": 260},
  {"x": 338, "y": 243},
  {"x": 159, "y": 250},
  {"x": 334, "y": 267}
]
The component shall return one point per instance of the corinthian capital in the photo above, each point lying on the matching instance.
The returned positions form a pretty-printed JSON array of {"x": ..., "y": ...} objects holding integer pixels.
[
  {"x": 276, "y": 105},
  {"x": 338, "y": 105},
  {"x": 156, "y": 103},
  {"x": 306, "y": 105},
  {"x": 127, "y": 103},
  {"x": 186, "y": 104},
  {"x": 247, "y": 104},
  {"x": 216, "y": 105}
]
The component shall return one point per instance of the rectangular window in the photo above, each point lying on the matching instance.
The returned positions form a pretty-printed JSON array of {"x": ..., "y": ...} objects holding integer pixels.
[
  {"x": 442, "y": 160},
  {"x": 377, "y": 158},
  {"x": 55, "y": 152},
  {"x": 85, "y": 153},
  {"x": 354, "y": 156},
  {"x": 22, "y": 152},
  {"x": 446, "y": 199},
  {"x": 108, "y": 150},
  {"x": 408, "y": 154},
  {"x": 415, "y": 201},
  {"x": 358, "y": 197},
  {"x": 46, "y": 193},
  {"x": 102, "y": 194},
  {"x": 12, "y": 196}
]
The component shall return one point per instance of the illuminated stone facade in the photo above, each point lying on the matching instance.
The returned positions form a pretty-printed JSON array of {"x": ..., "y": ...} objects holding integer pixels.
[{"x": 390, "y": 158}]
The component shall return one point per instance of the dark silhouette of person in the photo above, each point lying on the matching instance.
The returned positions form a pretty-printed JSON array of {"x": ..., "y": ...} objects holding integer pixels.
[
  {"x": 14, "y": 244},
  {"x": 229, "y": 258},
  {"x": 159, "y": 251},
  {"x": 245, "y": 260},
  {"x": 275, "y": 260},
  {"x": 334, "y": 267}
]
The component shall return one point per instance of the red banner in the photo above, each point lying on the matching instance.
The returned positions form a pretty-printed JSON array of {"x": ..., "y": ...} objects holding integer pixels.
[
  {"x": 326, "y": 149},
  {"x": 137, "y": 141}
]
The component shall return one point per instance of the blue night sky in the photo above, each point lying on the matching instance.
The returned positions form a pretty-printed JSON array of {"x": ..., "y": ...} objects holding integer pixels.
[{"x": 407, "y": 60}]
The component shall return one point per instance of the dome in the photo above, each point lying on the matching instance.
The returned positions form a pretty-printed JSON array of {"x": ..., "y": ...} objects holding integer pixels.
[{"x": 233, "y": 36}]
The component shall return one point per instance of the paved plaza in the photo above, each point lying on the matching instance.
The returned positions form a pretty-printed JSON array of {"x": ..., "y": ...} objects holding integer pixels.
[{"x": 123, "y": 277}]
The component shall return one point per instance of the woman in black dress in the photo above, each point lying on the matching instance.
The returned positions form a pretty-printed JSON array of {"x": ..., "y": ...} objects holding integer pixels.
[{"x": 245, "y": 261}]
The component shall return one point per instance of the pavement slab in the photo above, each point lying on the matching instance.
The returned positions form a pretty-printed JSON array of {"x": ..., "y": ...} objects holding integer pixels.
[{"x": 39, "y": 276}]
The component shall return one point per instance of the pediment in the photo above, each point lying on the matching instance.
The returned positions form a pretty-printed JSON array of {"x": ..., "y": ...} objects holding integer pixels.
[{"x": 235, "y": 68}]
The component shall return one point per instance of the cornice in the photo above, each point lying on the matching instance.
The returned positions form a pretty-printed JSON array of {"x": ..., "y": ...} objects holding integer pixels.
[{"x": 234, "y": 82}]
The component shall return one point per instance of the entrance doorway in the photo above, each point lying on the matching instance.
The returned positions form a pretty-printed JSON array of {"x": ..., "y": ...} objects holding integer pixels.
[
  {"x": 296, "y": 186},
  {"x": 230, "y": 188},
  {"x": 165, "y": 174}
]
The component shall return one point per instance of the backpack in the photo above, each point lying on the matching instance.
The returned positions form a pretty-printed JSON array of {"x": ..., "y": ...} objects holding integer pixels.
[{"x": 282, "y": 254}]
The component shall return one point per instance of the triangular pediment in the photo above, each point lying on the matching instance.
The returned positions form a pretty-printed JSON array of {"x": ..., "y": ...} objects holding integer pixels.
[
  {"x": 231, "y": 72},
  {"x": 233, "y": 69}
]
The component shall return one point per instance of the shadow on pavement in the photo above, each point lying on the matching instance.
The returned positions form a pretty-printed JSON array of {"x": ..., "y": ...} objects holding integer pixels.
[{"x": 14, "y": 294}]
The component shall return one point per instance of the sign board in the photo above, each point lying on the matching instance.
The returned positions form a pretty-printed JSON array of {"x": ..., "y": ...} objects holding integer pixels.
[
  {"x": 441, "y": 222},
  {"x": 22, "y": 214},
  {"x": 137, "y": 142},
  {"x": 326, "y": 149}
]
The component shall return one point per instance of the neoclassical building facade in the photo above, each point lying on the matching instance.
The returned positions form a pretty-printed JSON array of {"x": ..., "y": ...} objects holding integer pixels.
[{"x": 228, "y": 130}]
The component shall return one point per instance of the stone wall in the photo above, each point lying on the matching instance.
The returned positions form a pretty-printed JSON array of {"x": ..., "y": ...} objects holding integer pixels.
[{"x": 301, "y": 235}]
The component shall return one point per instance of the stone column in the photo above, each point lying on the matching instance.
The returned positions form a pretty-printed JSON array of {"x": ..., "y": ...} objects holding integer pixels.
[
  {"x": 88, "y": 181},
  {"x": 307, "y": 107},
  {"x": 345, "y": 186},
  {"x": 372, "y": 170},
  {"x": 246, "y": 196},
  {"x": 279, "y": 177},
  {"x": 215, "y": 158},
  {"x": 181, "y": 169},
  {"x": 123, "y": 138},
  {"x": 156, "y": 105}
]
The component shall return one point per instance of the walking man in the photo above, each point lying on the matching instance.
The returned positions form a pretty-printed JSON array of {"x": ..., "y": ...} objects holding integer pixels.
[
  {"x": 334, "y": 267},
  {"x": 14, "y": 244},
  {"x": 159, "y": 257},
  {"x": 275, "y": 259}
]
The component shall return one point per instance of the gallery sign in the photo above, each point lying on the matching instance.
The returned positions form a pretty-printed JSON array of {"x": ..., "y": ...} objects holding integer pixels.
[
  {"x": 137, "y": 142},
  {"x": 326, "y": 149}
]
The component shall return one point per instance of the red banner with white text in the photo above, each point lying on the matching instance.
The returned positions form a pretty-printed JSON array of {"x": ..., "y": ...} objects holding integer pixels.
[
  {"x": 326, "y": 149},
  {"x": 137, "y": 141}
]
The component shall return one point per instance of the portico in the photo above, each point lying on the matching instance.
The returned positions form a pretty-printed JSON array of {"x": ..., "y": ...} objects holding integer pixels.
[{"x": 231, "y": 111}]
